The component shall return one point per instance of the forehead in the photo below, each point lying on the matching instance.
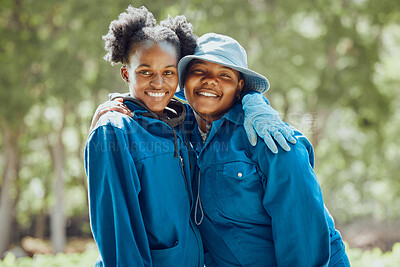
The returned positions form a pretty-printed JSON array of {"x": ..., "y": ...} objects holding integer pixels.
[
  {"x": 167, "y": 47},
  {"x": 149, "y": 48},
  {"x": 208, "y": 64}
]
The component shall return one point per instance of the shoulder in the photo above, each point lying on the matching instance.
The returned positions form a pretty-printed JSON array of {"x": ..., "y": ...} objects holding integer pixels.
[
  {"x": 110, "y": 126},
  {"x": 116, "y": 120},
  {"x": 303, "y": 147},
  {"x": 292, "y": 169},
  {"x": 300, "y": 153}
]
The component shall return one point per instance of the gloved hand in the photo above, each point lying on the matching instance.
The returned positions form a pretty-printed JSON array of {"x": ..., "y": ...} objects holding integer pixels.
[{"x": 260, "y": 118}]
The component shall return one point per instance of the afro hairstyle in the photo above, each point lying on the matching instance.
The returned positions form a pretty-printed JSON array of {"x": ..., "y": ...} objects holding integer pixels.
[{"x": 136, "y": 25}]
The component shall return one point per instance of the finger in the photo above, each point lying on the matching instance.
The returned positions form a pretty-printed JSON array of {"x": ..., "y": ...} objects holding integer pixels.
[
  {"x": 281, "y": 141},
  {"x": 127, "y": 110},
  {"x": 292, "y": 140},
  {"x": 122, "y": 105},
  {"x": 270, "y": 143},
  {"x": 126, "y": 107},
  {"x": 102, "y": 111},
  {"x": 119, "y": 107},
  {"x": 119, "y": 100},
  {"x": 122, "y": 110},
  {"x": 288, "y": 134},
  {"x": 251, "y": 134},
  {"x": 112, "y": 103}
]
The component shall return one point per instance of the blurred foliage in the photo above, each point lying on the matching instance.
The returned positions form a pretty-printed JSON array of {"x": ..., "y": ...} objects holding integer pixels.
[
  {"x": 333, "y": 68},
  {"x": 357, "y": 257},
  {"x": 374, "y": 258},
  {"x": 59, "y": 260}
]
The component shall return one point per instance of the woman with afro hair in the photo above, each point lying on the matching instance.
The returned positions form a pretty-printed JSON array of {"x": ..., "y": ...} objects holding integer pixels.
[
  {"x": 138, "y": 160},
  {"x": 138, "y": 167}
]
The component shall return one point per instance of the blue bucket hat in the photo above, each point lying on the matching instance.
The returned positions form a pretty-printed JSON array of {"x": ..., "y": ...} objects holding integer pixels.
[{"x": 224, "y": 50}]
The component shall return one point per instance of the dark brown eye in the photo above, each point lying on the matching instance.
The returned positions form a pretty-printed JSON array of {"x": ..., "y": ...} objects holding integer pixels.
[
  {"x": 198, "y": 71},
  {"x": 145, "y": 72},
  {"x": 226, "y": 75},
  {"x": 169, "y": 72}
]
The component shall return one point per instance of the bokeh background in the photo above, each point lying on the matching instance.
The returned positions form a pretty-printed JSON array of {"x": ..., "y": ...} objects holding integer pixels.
[{"x": 334, "y": 68}]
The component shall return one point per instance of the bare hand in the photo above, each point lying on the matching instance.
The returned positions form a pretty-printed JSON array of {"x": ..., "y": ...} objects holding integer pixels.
[{"x": 111, "y": 105}]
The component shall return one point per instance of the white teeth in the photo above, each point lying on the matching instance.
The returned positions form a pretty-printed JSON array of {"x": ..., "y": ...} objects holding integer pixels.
[
  {"x": 156, "y": 94},
  {"x": 207, "y": 94}
]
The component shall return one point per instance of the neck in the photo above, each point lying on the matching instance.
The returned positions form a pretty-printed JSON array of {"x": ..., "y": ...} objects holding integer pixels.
[
  {"x": 203, "y": 121},
  {"x": 202, "y": 124}
]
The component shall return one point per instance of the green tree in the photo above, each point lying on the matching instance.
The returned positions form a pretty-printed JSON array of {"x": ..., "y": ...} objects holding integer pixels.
[
  {"x": 332, "y": 66},
  {"x": 19, "y": 46}
]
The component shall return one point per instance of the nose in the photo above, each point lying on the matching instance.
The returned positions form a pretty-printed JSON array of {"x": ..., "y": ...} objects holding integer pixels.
[
  {"x": 210, "y": 78},
  {"x": 157, "y": 82}
]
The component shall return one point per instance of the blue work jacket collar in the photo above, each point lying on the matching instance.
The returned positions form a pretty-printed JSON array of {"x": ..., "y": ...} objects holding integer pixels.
[
  {"x": 235, "y": 115},
  {"x": 174, "y": 113}
]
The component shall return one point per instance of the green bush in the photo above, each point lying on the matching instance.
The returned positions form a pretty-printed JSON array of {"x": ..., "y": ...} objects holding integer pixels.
[
  {"x": 358, "y": 258},
  {"x": 85, "y": 259},
  {"x": 375, "y": 257}
]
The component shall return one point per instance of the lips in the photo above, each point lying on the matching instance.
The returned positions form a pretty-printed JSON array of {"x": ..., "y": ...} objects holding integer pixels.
[
  {"x": 207, "y": 93},
  {"x": 157, "y": 95}
]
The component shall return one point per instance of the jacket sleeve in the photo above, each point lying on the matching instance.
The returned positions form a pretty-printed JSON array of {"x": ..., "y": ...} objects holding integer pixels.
[
  {"x": 115, "y": 214},
  {"x": 293, "y": 199}
]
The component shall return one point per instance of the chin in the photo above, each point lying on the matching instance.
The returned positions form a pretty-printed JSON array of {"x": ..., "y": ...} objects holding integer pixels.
[
  {"x": 158, "y": 109},
  {"x": 205, "y": 112}
]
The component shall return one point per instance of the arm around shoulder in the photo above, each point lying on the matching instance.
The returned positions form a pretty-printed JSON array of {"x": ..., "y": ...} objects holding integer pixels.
[{"x": 293, "y": 199}]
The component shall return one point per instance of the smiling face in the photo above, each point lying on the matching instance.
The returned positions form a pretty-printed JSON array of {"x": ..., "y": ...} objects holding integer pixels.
[
  {"x": 211, "y": 89},
  {"x": 152, "y": 74}
]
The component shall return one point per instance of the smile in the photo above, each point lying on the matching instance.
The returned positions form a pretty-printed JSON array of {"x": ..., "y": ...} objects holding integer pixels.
[
  {"x": 156, "y": 94},
  {"x": 207, "y": 94}
]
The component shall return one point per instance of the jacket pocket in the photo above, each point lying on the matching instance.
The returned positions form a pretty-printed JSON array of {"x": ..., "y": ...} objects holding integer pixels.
[
  {"x": 239, "y": 191},
  {"x": 166, "y": 257},
  {"x": 239, "y": 170}
]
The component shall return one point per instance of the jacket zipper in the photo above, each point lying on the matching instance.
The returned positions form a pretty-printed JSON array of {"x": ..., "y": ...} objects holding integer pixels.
[{"x": 186, "y": 181}]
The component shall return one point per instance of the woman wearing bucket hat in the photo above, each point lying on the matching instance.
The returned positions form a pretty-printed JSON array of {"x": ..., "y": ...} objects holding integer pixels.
[
  {"x": 139, "y": 161},
  {"x": 253, "y": 207}
]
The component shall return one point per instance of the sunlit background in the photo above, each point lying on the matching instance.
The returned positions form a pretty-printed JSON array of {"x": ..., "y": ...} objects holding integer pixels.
[{"x": 334, "y": 72}]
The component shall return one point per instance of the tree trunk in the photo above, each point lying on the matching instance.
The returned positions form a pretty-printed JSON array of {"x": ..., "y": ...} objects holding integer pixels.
[
  {"x": 8, "y": 186},
  {"x": 57, "y": 216},
  {"x": 40, "y": 225}
]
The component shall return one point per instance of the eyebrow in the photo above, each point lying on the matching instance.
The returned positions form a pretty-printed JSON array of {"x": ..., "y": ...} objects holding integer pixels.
[{"x": 148, "y": 66}]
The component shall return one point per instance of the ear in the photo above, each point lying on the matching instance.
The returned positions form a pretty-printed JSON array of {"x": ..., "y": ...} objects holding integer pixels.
[
  {"x": 125, "y": 74},
  {"x": 239, "y": 88}
]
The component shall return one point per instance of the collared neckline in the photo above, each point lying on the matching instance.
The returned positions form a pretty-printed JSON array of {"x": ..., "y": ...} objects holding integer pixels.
[{"x": 235, "y": 114}]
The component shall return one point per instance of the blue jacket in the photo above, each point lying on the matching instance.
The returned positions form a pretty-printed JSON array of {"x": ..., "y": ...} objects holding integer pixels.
[
  {"x": 139, "y": 189},
  {"x": 260, "y": 208}
]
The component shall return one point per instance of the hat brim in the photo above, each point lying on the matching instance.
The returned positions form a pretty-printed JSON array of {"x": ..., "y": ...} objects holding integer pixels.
[{"x": 253, "y": 81}]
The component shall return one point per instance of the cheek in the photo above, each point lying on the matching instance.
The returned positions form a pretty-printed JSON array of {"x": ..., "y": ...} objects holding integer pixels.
[
  {"x": 138, "y": 84},
  {"x": 188, "y": 84},
  {"x": 173, "y": 81},
  {"x": 132, "y": 77},
  {"x": 186, "y": 90}
]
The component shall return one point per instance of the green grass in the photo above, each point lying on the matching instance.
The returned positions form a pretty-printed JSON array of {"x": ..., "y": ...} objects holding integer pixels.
[
  {"x": 358, "y": 258},
  {"x": 85, "y": 259},
  {"x": 375, "y": 257}
]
